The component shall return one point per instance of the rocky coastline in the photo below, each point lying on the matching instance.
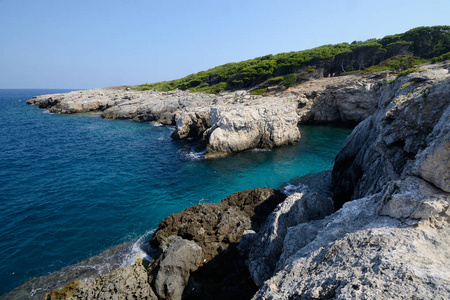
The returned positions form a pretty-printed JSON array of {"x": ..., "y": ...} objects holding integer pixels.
[
  {"x": 230, "y": 122},
  {"x": 375, "y": 227}
]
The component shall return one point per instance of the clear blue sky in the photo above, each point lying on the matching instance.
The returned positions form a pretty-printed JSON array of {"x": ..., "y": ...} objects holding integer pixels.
[{"x": 99, "y": 43}]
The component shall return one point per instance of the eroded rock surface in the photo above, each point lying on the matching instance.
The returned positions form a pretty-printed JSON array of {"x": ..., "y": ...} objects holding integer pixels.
[
  {"x": 214, "y": 226},
  {"x": 218, "y": 228},
  {"x": 304, "y": 205},
  {"x": 369, "y": 249},
  {"x": 411, "y": 119}
]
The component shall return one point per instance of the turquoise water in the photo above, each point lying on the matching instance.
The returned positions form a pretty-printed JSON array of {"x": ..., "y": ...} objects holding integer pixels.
[{"x": 72, "y": 186}]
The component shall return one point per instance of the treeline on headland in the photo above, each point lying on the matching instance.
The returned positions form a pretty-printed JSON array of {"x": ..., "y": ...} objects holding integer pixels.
[{"x": 392, "y": 52}]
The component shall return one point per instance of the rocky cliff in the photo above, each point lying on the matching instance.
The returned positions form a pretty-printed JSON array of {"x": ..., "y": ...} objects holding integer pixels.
[
  {"x": 376, "y": 227},
  {"x": 390, "y": 241}
]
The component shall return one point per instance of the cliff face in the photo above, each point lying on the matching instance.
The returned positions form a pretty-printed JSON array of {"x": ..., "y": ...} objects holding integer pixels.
[
  {"x": 398, "y": 138},
  {"x": 389, "y": 238},
  {"x": 391, "y": 241}
]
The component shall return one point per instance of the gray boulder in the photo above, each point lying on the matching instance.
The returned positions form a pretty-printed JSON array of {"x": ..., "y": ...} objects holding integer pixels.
[{"x": 169, "y": 273}]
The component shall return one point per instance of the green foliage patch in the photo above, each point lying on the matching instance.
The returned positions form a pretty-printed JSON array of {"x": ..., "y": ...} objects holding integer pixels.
[
  {"x": 394, "y": 52},
  {"x": 258, "y": 91},
  {"x": 441, "y": 58}
]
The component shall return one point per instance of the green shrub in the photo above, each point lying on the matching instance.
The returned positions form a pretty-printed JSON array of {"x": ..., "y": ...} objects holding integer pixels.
[
  {"x": 405, "y": 85},
  {"x": 258, "y": 91},
  {"x": 408, "y": 71},
  {"x": 290, "y": 79},
  {"x": 443, "y": 57}
]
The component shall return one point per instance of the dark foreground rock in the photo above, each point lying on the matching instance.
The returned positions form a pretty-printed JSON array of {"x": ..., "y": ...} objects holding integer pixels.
[
  {"x": 218, "y": 228},
  {"x": 196, "y": 249}
]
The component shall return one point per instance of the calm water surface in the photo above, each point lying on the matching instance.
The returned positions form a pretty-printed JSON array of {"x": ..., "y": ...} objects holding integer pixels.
[{"x": 72, "y": 186}]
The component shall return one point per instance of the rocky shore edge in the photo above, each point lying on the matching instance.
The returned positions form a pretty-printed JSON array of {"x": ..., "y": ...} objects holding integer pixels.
[
  {"x": 375, "y": 227},
  {"x": 231, "y": 122}
]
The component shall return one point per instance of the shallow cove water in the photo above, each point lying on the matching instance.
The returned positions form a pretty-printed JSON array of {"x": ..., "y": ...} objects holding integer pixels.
[{"x": 72, "y": 186}]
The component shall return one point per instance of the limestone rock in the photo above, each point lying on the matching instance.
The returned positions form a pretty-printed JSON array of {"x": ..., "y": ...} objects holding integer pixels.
[
  {"x": 433, "y": 163},
  {"x": 238, "y": 128},
  {"x": 382, "y": 147},
  {"x": 351, "y": 103},
  {"x": 414, "y": 201},
  {"x": 305, "y": 205},
  {"x": 356, "y": 253},
  {"x": 191, "y": 124},
  {"x": 170, "y": 271}
]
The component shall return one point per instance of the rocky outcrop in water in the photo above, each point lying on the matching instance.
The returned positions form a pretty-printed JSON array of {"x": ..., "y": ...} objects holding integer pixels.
[
  {"x": 217, "y": 228},
  {"x": 194, "y": 248},
  {"x": 239, "y": 127},
  {"x": 230, "y": 122}
]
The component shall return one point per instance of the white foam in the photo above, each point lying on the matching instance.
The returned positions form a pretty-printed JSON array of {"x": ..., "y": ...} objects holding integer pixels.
[
  {"x": 260, "y": 150},
  {"x": 139, "y": 250},
  {"x": 290, "y": 188},
  {"x": 192, "y": 155},
  {"x": 156, "y": 124}
]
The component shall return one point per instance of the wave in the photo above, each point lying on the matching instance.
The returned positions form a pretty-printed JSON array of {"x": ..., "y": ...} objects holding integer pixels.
[
  {"x": 156, "y": 124},
  {"x": 191, "y": 154}
]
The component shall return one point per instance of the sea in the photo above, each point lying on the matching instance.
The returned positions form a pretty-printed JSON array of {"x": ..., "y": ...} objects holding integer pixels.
[{"x": 73, "y": 186}]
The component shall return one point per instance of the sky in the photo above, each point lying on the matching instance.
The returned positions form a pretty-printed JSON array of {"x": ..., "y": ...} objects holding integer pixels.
[{"x": 81, "y": 44}]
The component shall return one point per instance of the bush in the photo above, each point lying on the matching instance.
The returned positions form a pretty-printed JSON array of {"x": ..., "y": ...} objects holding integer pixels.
[
  {"x": 258, "y": 91},
  {"x": 443, "y": 57}
]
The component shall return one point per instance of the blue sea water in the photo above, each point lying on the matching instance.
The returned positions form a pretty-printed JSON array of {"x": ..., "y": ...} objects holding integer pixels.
[{"x": 72, "y": 186}]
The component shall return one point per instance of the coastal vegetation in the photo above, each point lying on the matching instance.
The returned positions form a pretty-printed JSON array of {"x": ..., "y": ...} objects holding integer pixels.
[{"x": 397, "y": 52}]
